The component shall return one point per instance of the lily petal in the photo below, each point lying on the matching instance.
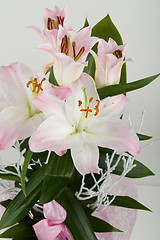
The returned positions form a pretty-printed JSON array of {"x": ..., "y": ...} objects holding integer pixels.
[
  {"x": 55, "y": 133},
  {"x": 15, "y": 77},
  {"x": 66, "y": 70},
  {"x": 55, "y": 212},
  {"x": 113, "y": 134},
  {"x": 85, "y": 157},
  {"x": 44, "y": 231},
  {"x": 113, "y": 106},
  {"x": 11, "y": 119}
]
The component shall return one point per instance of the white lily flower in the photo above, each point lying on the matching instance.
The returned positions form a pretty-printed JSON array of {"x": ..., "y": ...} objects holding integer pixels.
[{"x": 82, "y": 123}]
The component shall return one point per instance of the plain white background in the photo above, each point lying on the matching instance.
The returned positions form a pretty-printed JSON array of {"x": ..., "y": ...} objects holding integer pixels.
[{"x": 138, "y": 23}]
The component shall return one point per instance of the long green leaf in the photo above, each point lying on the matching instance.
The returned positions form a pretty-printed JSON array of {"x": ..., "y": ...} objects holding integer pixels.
[
  {"x": 58, "y": 173},
  {"x": 116, "y": 89},
  {"x": 76, "y": 220},
  {"x": 139, "y": 171},
  {"x": 128, "y": 202},
  {"x": 99, "y": 225},
  {"x": 20, "y": 205},
  {"x": 24, "y": 169},
  {"x": 20, "y": 231}
]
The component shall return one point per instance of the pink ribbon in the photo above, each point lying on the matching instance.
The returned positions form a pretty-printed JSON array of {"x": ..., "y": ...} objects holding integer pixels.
[{"x": 52, "y": 227}]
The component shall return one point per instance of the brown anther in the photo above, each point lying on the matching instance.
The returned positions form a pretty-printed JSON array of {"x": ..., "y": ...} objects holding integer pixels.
[
  {"x": 50, "y": 24},
  {"x": 91, "y": 99},
  {"x": 74, "y": 49},
  {"x": 81, "y": 51},
  {"x": 64, "y": 45},
  {"x": 60, "y": 21},
  {"x": 37, "y": 87},
  {"x": 67, "y": 50},
  {"x": 29, "y": 84},
  {"x": 87, "y": 110},
  {"x": 117, "y": 53},
  {"x": 79, "y": 103},
  {"x": 97, "y": 107}
]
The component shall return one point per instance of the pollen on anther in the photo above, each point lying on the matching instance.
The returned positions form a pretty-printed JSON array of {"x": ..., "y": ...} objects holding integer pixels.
[{"x": 79, "y": 103}]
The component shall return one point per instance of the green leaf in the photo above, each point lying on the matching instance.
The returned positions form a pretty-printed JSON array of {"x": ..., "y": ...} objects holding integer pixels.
[
  {"x": 5, "y": 203},
  {"x": 139, "y": 171},
  {"x": 20, "y": 205},
  {"x": 58, "y": 173},
  {"x": 10, "y": 177},
  {"x": 116, "y": 89},
  {"x": 52, "y": 78},
  {"x": 24, "y": 169},
  {"x": 86, "y": 24},
  {"x": 128, "y": 202},
  {"x": 90, "y": 69},
  {"x": 106, "y": 29},
  {"x": 76, "y": 220},
  {"x": 19, "y": 231},
  {"x": 99, "y": 225},
  {"x": 143, "y": 137}
]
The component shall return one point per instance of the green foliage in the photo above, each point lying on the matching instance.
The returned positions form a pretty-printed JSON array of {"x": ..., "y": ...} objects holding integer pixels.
[
  {"x": 21, "y": 205},
  {"x": 52, "y": 78},
  {"x": 128, "y": 202},
  {"x": 99, "y": 225},
  {"x": 76, "y": 220},
  {"x": 139, "y": 171},
  {"x": 24, "y": 169},
  {"x": 58, "y": 173},
  {"x": 143, "y": 137},
  {"x": 116, "y": 89},
  {"x": 20, "y": 231}
]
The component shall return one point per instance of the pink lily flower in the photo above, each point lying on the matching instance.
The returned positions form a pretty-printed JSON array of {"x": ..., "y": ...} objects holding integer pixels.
[
  {"x": 109, "y": 62},
  {"x": 52, "y": 227},
  {"x": 68, "y": 54},
  {"x": 19, "y": 116},
  {"x": 122, "y": 218},
  {"x": 54, "y": 19},
  {"x": 82, "y": 123}
]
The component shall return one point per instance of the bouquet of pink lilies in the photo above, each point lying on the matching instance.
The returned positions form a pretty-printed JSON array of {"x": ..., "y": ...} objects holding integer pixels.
[{"x": 77, "y": 155}]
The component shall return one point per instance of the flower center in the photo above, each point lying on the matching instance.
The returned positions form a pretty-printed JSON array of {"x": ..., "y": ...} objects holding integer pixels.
[
  {"x": 65, "y": 48},
  {"x": 117, "y": 53},
  {"x": 37, "y": 87},
  {"x": 89, "y": 111},
  {"x": 51, "y": 24}
]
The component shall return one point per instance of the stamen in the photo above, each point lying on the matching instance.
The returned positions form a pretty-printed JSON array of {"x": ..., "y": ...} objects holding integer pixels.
[
  {"x": 74, "y": 49},
  {"x": 97, "y": 107},
  {"x": 50, "y": 24},
  {"x": 79, "y": 103},
  {"x": 91, "y": 99},
  {"x": 79, "y": 54},
  {"x": 36, "y": 85},
  {"x": 117, "y": 53},
  {"x": 64, "y": 45}
]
